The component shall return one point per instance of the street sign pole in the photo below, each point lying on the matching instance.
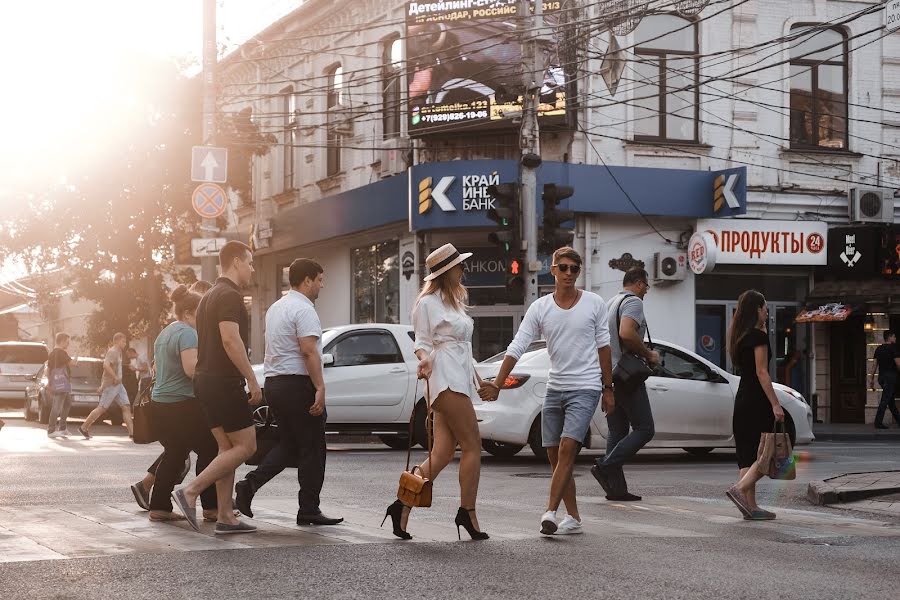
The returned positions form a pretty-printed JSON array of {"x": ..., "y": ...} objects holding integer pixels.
[
  {"x": 529, "y": 140},
  {"x": 208, "y": 228}
]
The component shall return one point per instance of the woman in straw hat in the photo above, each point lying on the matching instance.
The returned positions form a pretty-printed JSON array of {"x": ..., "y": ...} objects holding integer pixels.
[{"x": 444, "y": 348}]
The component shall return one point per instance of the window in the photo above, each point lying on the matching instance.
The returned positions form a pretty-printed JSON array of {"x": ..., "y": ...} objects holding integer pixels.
[
  {"x": 392, "y": 63},
  {"x": 23, "y": 354},
  {"x": 675, "y": 365},
  {"x": 819, "y": 90},
  {"x": 663, "y": 68},
  {"x": 334, "y": 140},
  {"x": 376, "y": 283},
  {"x": 371, "y": 348},
  {"x": 289, "y": 128}
]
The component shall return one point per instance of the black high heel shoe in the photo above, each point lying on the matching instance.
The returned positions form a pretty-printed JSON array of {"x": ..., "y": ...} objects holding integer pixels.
[
  {"x": 395, "y": 512},
  {"x": 464, "y": 520}
]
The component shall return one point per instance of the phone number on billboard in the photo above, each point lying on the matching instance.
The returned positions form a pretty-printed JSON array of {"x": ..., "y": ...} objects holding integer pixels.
[{"x": 455, "y": 116}]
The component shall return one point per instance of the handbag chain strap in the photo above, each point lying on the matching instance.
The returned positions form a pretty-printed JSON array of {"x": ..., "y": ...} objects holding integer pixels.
[
  {"x": 429, "y": 426},
  {"x": 619, "y": 323}
]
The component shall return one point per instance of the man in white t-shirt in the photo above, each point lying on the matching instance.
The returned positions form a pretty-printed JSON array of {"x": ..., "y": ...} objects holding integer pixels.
[{"x": 575, "y": 325}]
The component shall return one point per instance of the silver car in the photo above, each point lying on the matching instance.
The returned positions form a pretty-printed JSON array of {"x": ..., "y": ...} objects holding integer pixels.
[{"x": 19, "y": 363}]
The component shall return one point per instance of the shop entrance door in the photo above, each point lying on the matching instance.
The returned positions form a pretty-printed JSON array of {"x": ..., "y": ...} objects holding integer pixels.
[
  {"x": 495, "y": 327},
  {"x": 848, "y": 371}
]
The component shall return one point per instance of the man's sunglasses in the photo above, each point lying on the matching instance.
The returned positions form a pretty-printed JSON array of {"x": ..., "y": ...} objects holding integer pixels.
[{"x": 575, "y": 269}]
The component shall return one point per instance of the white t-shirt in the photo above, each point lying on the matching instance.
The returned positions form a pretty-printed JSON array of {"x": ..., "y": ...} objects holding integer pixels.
[
  {"x": 573, "y": 337},
  {"x": 290, "y": 318}
]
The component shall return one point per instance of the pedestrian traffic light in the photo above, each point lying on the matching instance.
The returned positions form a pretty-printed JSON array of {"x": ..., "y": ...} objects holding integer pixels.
[
  {"x": 505, "y": 214},
  {"x": 515, "y": 281},
  {"x": 553, "y": 235}
]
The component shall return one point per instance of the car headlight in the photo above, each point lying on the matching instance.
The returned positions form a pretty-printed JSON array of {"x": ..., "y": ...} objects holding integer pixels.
[{"x": 796, "y": 395}]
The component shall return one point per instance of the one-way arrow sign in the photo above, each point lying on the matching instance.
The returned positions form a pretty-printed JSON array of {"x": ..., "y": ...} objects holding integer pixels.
[{"x": 209, "y": 164}]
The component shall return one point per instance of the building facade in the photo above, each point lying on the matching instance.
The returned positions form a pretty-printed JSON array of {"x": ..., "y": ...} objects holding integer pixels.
[{"x": 757, "y": 121}]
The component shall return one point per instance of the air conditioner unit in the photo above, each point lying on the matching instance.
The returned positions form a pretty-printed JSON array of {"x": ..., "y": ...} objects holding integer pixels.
[
  {"x": 393, "y": 158},
  {"x": 670, "y": 266},
  {"x": 870, "y": 205}
]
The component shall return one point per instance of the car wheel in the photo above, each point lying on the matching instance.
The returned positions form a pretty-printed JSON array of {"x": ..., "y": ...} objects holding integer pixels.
[
  {"x": 43, "y": 413},
  {"x": 29, "y": 413},
  {"x": 501, "y": 449},
  {"x": 420, "y": 434},
  {"x": 395, "y": 442},
  {"x": 698, "y": 451},
  {"x": 535, "y": 441}
]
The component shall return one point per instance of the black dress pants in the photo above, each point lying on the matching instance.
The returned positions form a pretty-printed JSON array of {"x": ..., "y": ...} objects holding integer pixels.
[
  {"x": 302, "y": 439},
  {"x": 182, "y": 429}
]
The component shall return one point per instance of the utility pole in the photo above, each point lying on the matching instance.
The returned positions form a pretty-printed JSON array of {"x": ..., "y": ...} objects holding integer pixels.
[
  {"x": 529, "y": 137},
  {"x": 208, "y": 227}
]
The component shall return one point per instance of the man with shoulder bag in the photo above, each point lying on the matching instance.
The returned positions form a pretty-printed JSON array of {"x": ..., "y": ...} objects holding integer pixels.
[{"x": 632, "y": 361}]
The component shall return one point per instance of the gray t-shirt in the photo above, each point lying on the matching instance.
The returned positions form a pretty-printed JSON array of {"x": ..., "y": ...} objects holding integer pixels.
[{"x": 631, "y": 307}]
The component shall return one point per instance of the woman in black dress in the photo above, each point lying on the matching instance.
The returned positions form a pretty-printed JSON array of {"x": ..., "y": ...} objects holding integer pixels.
[{"x": 756, "y": 407}]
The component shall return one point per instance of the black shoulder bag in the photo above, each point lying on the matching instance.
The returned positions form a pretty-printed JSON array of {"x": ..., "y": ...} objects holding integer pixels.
[{"x": 631, "y": 370}]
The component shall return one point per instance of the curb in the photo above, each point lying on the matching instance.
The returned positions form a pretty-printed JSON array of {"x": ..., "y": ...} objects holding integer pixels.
[
  {"x": 857, "y": 437},
  {"x": 821, "y": 493}
]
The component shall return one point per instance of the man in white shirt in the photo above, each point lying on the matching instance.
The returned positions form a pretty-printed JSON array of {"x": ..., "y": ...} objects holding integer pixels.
[
  {"x": 576, "y": 328},
  {"x": 295, "y": 393}
]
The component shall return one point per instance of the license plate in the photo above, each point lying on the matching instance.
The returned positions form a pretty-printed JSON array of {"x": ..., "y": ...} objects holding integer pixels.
[{"x": 86, "y": 399}]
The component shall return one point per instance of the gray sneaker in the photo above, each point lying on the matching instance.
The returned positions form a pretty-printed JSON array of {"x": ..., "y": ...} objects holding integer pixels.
[
  {"x": 240, "y": 527},
  {"x": 141, "y": 495}
]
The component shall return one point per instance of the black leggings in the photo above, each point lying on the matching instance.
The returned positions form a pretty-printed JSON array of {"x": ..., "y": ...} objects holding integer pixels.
[{"x": 182, "y": 429}]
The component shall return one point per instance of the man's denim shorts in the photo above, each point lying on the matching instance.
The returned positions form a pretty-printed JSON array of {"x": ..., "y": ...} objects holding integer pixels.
[
  {"x": 114, "y": 393},
  {"x": 567, "y": 414}
]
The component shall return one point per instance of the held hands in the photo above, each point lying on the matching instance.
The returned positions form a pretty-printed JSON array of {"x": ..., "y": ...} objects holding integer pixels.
[
  {"x": 318, "y": 406},
  {"x": 424, "y": 369},
  {"x": 489, "y": 391},
  {"x": 255, "y": 393},
  {"x": 608, "y": 401},
  {"x": 779, "y": 413}
]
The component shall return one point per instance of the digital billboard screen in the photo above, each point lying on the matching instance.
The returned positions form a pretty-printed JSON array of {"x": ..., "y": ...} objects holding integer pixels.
[{"x": 464, "y": 62}]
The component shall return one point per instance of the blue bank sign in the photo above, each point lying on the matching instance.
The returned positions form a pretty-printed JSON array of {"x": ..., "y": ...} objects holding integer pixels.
[{"x": 454, "y": 194}]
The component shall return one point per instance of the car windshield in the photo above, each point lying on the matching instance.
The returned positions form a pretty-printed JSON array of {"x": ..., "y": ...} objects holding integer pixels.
[
  {"x": 23, "y": 355},
  {"x": 529, "y": 352},
  {"x": 87, "y": 372}
]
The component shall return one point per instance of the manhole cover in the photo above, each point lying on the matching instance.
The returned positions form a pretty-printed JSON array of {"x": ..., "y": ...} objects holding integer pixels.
[{"x": 539, "y": 475}]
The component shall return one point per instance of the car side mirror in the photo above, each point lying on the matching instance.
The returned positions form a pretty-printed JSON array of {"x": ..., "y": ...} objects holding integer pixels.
[{"x": 328, "y": 360}]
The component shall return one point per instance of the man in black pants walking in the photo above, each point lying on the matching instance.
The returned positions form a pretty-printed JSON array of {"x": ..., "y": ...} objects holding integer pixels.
[
  {"x": 887, "y": 363},
  {"x": 295, "y": 391}
]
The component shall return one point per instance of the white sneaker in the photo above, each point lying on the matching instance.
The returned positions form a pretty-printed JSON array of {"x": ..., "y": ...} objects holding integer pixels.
[
  {"x": 569, "y": 526},
  {"x": 548, "y": 523},
  {"x": 55, "y": 434},
  {"x": 64, "y": 433}
]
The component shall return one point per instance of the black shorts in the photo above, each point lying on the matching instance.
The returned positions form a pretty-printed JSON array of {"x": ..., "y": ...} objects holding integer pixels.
[{"x": 224, "y": 400}]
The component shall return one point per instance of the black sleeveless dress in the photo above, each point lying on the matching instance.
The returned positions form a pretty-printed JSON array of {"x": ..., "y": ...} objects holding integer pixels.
[{"x": 752, "y": 411}]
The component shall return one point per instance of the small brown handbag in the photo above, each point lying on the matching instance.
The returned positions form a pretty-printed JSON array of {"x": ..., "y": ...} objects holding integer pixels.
[{"x": 415, "y": 489}]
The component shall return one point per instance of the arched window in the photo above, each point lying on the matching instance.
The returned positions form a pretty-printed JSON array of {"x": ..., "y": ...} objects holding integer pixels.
[
  {"x": 392, "y": 65},
  {"x": 819, "y": 89},
  {"x": 666, "y": 87}
]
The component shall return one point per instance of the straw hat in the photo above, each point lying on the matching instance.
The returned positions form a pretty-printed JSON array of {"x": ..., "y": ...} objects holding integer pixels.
[{"x": 443, "y": 259}]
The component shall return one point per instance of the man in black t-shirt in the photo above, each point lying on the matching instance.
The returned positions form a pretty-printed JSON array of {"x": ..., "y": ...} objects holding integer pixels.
[
  {"x": 59, "y": 390},
  {"x": 222, "y": 370},
  {"x": 887, "y": 363}
]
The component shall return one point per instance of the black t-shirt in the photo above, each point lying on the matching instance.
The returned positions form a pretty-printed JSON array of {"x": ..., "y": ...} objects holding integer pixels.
[
  {"x": 746, "y": 359},
  {"x": 885, "y": 355},
  {"x": 58, "y": 358},
  {"x": 224, "y": 302}
]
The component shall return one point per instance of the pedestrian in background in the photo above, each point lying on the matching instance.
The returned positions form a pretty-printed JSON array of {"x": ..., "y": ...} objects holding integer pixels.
[
  {"x": 443, "y": 346},
  {"x": 223, "y": 370},
  {"x": 59, "y": 376},
  {"x": 142, "y": 488},
  {"x": 140, "y": 366},
  {"x": 178, "y": 418},
  {"x": 129, "y": 375},
  {"x": 111, "y": 388},
  {"x": 756, "y": 407},
  {"x": 628, "y": 327},
  {"x": 887, "y": 363},
  {"x": 576, "y": 327},
  {"x": 295, "y": 393}
]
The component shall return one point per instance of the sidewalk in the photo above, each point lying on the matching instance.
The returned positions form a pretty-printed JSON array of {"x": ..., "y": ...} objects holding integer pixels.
[
  {"x": 851, "y": 487},
  {"x": 842, "y": 432}
]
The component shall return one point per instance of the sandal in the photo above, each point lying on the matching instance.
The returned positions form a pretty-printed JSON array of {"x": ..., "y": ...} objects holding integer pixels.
[{"x": 736, "y": 496}]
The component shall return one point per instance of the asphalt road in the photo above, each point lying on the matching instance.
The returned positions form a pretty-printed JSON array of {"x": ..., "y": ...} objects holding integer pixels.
[{"x": 684, "y": 541}]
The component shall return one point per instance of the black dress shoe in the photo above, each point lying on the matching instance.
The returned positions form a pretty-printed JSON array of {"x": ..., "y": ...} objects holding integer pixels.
[
  {"x": 880, "y": 426},
  {"x": 243, "y": 497},
  {"x": 624, "y": 497},
  {"x": 601, "y": 474},
  {"x": 317, "y": 519}
]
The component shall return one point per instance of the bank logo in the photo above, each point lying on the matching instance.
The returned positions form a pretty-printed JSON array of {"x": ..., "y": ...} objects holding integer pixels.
[
  {"x": 723, "y": 193},
  {"x": 436, "y": 194}
]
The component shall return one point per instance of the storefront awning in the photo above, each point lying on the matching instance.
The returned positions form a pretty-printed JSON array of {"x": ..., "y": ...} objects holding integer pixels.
[
  {"x": 878, "y": 292},
  {"x": 825, "y": 313}
]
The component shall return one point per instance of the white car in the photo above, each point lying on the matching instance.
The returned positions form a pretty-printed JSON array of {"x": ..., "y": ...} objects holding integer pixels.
[
  {"x": 692, "y": 401},
  {"x": 370, "y": 378}
]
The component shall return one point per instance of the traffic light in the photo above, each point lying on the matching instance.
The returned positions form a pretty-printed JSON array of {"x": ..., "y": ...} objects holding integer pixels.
[
  {"x": 506, "y": 215},
  {"x": 515, "y": 281},
  {"x": 553, "y": 236}
]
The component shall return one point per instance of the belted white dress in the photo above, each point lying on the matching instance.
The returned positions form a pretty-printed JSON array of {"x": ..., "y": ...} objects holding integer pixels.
[{"x": 446, "y": 333}]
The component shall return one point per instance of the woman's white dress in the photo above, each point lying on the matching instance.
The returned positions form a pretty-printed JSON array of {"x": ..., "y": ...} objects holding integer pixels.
[{"x": 446, "y": 334}]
